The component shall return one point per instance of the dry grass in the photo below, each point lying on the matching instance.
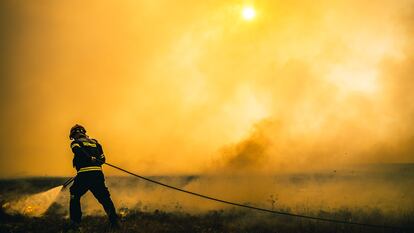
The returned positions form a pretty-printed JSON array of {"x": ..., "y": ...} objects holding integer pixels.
[{"x": 229, "y": 221}]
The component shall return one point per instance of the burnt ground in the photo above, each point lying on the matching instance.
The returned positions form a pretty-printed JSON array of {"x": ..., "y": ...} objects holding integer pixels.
[{"x": 230, "y": 220}]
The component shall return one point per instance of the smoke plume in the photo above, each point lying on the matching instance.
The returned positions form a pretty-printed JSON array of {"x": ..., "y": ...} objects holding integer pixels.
[{"x": 189, "y": 87}]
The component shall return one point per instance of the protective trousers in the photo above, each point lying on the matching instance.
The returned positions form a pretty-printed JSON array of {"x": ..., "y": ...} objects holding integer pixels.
[{"x": 95, "y": 182}]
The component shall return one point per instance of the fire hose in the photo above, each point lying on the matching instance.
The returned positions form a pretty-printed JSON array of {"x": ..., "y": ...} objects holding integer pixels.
[{"x": 247, "y": 206}]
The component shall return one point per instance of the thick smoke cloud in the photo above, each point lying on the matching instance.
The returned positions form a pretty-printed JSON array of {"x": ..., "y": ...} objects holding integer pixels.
[{"x": 189, "y": 87}]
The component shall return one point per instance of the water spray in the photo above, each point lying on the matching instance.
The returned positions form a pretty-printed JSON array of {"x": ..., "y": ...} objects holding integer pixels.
[{"x": 36, "y": 204}]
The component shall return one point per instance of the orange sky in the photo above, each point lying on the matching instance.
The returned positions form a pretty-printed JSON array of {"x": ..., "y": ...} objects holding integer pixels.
[{"x": 188, "y": 86}]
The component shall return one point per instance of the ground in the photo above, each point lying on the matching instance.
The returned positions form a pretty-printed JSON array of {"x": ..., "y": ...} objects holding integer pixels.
[
  {"x": 379, "y": 197},
  {"x": 229, "y": 221}
]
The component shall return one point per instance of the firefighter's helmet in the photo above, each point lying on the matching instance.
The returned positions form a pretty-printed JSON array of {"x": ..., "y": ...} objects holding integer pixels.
[{"x": 77, "y": 129}]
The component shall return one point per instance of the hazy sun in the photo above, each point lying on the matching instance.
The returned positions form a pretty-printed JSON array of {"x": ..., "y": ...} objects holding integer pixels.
[{"x": 248, "y": 13}]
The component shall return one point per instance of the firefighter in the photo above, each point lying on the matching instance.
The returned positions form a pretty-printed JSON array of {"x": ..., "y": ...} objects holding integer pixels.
[{"x": 88, "y": 160}]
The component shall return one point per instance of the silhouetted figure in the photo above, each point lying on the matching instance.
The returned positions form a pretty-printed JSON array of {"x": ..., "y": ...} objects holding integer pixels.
[{"x": 88, "y": 160}]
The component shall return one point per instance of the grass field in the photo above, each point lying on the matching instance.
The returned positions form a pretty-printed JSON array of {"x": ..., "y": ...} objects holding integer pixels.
[
  {"x": 231, "y": 220},
  {"x": 378, "y": 196}
]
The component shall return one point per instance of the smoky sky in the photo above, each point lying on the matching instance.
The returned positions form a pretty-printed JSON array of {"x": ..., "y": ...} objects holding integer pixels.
[{"x": 188, "y": 86}]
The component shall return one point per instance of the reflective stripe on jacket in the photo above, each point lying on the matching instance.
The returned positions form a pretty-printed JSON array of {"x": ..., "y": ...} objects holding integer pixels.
[{"x": 91, "y": 168}]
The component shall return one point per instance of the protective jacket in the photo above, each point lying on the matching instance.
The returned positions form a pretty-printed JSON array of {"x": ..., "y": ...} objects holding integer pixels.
[{"x": 84, "y": 149}]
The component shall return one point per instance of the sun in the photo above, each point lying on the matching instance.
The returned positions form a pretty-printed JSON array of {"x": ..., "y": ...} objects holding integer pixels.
[{"x": 248, "y": 13}]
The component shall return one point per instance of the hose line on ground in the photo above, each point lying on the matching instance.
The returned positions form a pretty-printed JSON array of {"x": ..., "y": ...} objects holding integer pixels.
[
  {"x": 258, "y": 208},
  {"x": 248, "y": 206}
]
